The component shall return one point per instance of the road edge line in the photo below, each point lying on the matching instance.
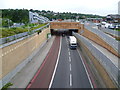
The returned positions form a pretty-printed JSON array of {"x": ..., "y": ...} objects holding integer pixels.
[
  {"x": 86, "y": 70},
  {"x": 39, "y": 69},
  {"x": 55, "y": 65}
]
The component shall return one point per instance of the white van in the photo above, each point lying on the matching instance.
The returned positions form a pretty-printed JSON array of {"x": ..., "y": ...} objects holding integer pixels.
[{"x": 72, "y": 42}]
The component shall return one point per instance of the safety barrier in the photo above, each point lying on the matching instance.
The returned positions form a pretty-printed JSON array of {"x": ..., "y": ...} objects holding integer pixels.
[
  {"x": 105, "y": 61},
  {"x": 17, "y": 36}
]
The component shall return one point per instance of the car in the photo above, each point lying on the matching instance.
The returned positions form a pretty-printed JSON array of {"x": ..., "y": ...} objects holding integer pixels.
[{"x": 63, "y": 35}]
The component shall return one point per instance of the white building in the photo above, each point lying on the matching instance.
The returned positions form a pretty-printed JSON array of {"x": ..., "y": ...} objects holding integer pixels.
[{"x": 35, "y": 18}]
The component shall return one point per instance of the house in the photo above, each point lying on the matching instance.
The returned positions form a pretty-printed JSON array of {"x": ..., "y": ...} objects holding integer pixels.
[{"x": 36, "y": 18}]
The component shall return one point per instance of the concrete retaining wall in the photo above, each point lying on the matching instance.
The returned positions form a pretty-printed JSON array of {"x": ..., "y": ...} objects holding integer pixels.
[
  {"x": 17, "y": 55},
  {"x": 104, "y": 72},
  {"x": 90, "y": 35}
]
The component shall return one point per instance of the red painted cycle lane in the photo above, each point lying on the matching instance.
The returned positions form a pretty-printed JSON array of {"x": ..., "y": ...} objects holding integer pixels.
[{"x": 43, "y": 76}]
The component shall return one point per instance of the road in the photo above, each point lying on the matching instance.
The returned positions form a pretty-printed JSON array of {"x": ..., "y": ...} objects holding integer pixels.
[
  {"x": 43, "y": 76},
  {"x": 62, "y": 68},
  {"x": 70, "y": 72}
]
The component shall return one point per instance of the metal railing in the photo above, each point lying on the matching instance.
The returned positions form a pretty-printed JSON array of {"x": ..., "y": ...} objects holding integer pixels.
[
  {"x": 105, "y": 61},
  {"x": 17, "y": 36}
]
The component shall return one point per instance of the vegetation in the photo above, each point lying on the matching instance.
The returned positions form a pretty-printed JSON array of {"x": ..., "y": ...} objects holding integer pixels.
[
  {"x": 10, "y": 16},
  {"x": 65, "y": 15},
  {"x": 16, "y": 30},
  {"x": 38, "y": 26},
  {"x": 117, "y": 29},
  {"x": 118, "y": 39},
  {"x": 6, "y": 86},
  {"x": 16, "y": 15}
]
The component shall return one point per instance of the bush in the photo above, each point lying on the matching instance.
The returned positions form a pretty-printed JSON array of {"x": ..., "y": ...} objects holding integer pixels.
[
  {"x": 6, "y": 86},
  {"x": 16, "y": 30}
]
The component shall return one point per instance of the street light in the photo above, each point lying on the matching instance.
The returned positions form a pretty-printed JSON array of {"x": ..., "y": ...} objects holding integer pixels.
[{"x": 8, "y": 23}]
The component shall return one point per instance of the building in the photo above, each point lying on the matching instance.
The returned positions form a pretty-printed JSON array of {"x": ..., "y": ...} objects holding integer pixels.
[
  {"x": 113, "y": 18},
  {"x": 95, "y": 20},
  {"x": 36, "y": 18}
]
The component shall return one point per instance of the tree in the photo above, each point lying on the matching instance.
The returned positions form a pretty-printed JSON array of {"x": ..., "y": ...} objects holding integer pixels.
[{"x": 17, "y": 15}]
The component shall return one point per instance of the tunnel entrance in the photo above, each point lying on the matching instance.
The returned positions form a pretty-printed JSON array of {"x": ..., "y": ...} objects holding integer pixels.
[{"x": 59, "y": 32}]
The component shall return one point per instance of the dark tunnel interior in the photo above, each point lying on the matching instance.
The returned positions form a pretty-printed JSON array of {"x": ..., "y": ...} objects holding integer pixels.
[{"x": 60, "y": 32}]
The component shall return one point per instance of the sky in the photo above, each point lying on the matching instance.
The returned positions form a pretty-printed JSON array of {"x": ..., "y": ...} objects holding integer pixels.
[{"x": 96, "y": 7}]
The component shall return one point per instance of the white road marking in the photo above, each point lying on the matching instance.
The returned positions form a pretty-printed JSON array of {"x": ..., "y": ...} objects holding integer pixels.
[
  {"x": 85, "y": 69},
  {"x": 69, "y": 53},
  {"x": 70, "y": 79},
  {"x": 70, "y": 67},
  {"x": 69, "y": 59},
  {"x": 55, "y": 65}
]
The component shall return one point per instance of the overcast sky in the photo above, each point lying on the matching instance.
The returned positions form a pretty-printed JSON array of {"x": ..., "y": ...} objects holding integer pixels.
[{"x": 99, "y": 7}]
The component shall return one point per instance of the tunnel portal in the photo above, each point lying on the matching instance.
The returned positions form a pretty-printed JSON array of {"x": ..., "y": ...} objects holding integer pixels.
[{"x": 59, "y": 32}]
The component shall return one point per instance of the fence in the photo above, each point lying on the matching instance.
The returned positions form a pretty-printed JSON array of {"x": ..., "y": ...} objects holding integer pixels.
[
  {"x": 17, "y": 36},
  {"x": 111, "y": 41},
  {"x": 106, "y": 62}
]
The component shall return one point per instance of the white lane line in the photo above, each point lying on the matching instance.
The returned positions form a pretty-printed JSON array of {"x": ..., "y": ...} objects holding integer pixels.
[
  {"x": 85, "y": 69},
  {"x": 69, "y": 53},
  {"x": 55, "y": 65},
  {"x": 70, "y": 80},
  {"x": 70, "y": 67},
  {"x": 69, "y": 59}
]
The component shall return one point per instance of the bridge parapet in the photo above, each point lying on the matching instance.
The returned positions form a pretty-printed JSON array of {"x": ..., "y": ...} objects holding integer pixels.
[{"x": 65, "y": 25}]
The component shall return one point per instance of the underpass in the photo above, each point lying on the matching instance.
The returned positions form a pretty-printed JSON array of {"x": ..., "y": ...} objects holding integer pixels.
[
  {"x": 61, "y": 67},
  {"x": 67, "y": 32}
]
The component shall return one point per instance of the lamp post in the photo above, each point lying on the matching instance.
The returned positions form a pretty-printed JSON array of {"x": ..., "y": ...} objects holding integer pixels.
[
  {"x": 28, "y": 29},
  {"x": 8, "y": 23}
]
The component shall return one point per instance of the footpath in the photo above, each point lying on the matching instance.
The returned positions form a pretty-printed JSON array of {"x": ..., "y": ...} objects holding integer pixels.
[{"x": 23, "y": 78}]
